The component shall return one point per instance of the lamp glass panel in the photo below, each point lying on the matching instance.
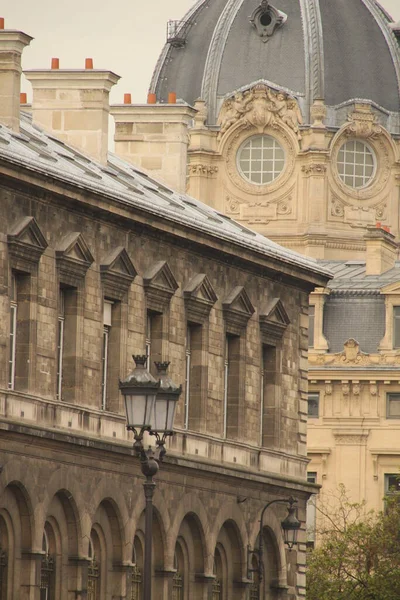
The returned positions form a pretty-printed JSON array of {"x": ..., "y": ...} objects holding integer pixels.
[{"x": 139, "y": 409}]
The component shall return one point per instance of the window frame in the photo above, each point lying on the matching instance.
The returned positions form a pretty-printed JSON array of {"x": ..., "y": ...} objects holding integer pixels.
[
  {"x": 276, "y": 144},
  {"x": 394, "y": 319},
  {"x": 389, "y": 397},
  {"x": 343, "y": 175},
  {"x": 318, "y": 398}
]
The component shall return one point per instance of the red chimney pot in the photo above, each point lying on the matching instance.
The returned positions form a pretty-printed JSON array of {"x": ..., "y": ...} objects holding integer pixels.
[
  {"x": 23, "y": 98},
  {"x": 127, "y": 99},
  {"x": 1, "y": 22},
  {"x": 88, "y": 63},
  {"x": 151, "y": 98},
  {"x": 171, "y": 98},
  {"x": 55, "y": 63}
]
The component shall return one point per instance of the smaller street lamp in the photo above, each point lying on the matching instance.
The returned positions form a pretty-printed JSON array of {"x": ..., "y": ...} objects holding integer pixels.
[
  {"x": 150, "y": 406},
  {"x": 290, "y": 526}
]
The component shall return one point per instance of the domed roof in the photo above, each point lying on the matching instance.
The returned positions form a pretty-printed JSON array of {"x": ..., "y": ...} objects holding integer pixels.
[{"x": 338, "y": 50}]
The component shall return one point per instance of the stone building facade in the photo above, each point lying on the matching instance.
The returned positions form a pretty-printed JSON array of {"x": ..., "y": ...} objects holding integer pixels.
[
  {"x": 296, "y": 135},
  {"x": 98, "y": 262}
]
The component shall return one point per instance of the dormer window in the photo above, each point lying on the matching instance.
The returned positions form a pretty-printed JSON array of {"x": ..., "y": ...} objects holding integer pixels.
[{"x": 266, "y": 19}]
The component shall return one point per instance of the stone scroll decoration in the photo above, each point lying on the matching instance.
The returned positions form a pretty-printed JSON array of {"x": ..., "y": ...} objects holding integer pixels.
[
  {"x": 260, "y": 107},
  {"x": 353, "y": 356}
]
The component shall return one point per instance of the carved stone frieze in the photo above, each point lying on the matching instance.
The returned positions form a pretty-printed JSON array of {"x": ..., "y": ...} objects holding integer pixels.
[
  {"x": 202, "y": 169},
  {"x": 358, "y": 215},
  {"x": 314, "y": 169},
  {"x": 351, "y": 439},
  {"x": 352, "y": 356},
  {"x": 260, "y": 107},
  {"x": 261, "y": 209}
]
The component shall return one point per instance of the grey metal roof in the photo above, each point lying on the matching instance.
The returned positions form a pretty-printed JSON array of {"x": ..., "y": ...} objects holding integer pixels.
[
  {"x": 349, "y": 277},
  {"x": 333, "y": 49},
  {"x": 38, "y": 151}
]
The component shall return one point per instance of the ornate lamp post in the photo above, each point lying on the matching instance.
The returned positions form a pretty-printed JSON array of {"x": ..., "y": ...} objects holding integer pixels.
[
  {"x": 290, "y": 526},
  {"x": 150, "y": 406}
]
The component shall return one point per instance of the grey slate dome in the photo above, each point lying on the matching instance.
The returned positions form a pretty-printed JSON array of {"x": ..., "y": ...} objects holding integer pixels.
[{"x": 338, "y": 50}]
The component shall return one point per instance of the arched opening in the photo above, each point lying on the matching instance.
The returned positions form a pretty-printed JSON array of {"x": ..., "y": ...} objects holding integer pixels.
[
  {"x": 47, "y": 567},
  {"x": 270, "y": 589},
  {"x": 231, "y": 550},
  {"x": 137, "y": 570},
  {"x": 180, "y": 578},
  {"x": 218, "y": 587},
  {"x": 4, "y": 559},
  {"x": 254, "y": 593},
  {"x": 94, "y": 568},
  {"x": 189, "y": 555}
]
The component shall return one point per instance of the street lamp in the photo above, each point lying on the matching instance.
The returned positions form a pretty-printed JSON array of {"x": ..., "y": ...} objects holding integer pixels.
[
  {"x": 290, "y": 526},
  {"x": 150, "y": 406}
]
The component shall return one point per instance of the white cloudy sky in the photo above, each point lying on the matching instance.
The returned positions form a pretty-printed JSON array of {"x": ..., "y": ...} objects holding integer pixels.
[{"x": 124, "y": 36}]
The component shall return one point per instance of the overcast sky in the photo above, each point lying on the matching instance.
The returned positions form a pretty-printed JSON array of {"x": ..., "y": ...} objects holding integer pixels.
[{"x": 124, "y": 36}]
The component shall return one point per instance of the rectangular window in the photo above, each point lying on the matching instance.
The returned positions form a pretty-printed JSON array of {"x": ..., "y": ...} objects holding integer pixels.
[
  {"x": 268, "y": 396},
  {"x": 154, "y": 337},
  {"x": 392, "y": 483},
  {"x": 19, "y": 357},
  {"x": 107, "y": 317},
  {"x": 13, "y": 332},
  {"x": 60, "y": 341},
  {"x": 396, "y": 326},
  {"x": 187, "y": 375},
  {"x": 313, "y": 405},
  {"x": 231, "y": 386},
  {"x": 311, "y": 513},
  {"x": 311, "y": 321},
  {"x": 67, "y": 343},
  {"x": 393, "y": 406}
]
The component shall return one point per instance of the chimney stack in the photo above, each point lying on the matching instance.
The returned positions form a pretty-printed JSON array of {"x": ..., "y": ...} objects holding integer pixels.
[
  {"x": 154, "y": 137},
  {"x": 12, "y": 43},
  {"x": 73, "y": 104},
  {"x": 381, "y": 249}
]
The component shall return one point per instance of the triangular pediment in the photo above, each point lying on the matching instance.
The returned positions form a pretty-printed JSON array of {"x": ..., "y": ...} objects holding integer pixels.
[
  {"x": 199, "y": 297},
  {"x": 237, "y": 308},
  {"x": 117, "y": 261},
  {"x": 200, "y": 288},
  {"x": 117, "y": 273},
  {"x": 26, "y": 241},
  {"x": 239, "y": 300},
  {"x": 160, "y": 275},
  {"x": 274, "y": 320},
  {"x": 73, "y": 257},
  {"x": 159, "y": 284}
]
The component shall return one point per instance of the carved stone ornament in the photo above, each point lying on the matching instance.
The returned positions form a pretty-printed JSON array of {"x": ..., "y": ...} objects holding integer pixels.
[
  {"x": 200, "y": 117},
  {"x": 318, "y": 114},
  {"x": 273, "y": 321},
  {"x": 314, "y": 169},
  {"x": 352, "y": 356},
  {"x": 363, "y": 123},
  {"x": 202, "y": 169},
  {"x": 266, "y": 19},
  {"x": 260, "y": 107},
  {"x": 73, "y": 258}
]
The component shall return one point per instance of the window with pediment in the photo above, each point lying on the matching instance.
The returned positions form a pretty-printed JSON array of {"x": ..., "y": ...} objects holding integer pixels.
[{"x": 26, "y": 244}]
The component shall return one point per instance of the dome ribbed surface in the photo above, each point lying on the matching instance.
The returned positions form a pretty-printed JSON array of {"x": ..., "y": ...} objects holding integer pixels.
[{"x": 332, "y": 49}]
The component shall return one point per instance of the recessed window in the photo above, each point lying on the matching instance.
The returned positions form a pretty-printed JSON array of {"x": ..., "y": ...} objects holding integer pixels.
[
  {"x": 356, "y": 164},
  {"x": 396, "y": 326},
  {"x": 393, "y": 406},
  {"x": 261, "y": 159},
  {"x": 311, "y": 322},
  {"x": 313, "y": 405},
  {"x": 392, "y": 483}
]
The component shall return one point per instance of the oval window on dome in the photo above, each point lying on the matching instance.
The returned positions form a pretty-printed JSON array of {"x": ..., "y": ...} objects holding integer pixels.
[
  {"x": 356, "y": 164},
  {"x": 261, "y": 159}
]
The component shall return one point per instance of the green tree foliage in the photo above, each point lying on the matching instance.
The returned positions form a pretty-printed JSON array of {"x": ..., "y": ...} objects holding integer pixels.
[{"x": 358, "y": 553}]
